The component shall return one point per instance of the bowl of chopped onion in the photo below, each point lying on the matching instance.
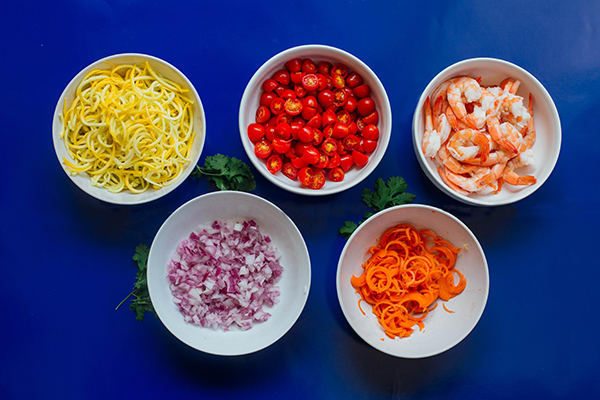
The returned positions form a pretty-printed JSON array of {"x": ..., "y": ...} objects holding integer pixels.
[
  {"x": 228, "y": 273},
  {"x": 486, "y": 132},
  {"x": 128, "y": 128},
  {"x": 412, "y": 281}
]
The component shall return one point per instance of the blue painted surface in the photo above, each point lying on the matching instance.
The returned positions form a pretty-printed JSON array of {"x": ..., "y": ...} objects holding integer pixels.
[{"x": 65, "y": 257}]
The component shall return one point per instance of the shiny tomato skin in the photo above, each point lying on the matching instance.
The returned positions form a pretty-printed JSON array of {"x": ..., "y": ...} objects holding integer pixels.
[
  {"x": 365, "y": 106},
  {"x": 353, "y": 80},
  {"x": 315, "y": 121},
  {"x": 352, "y": 128},
  {"x": 262, "y": 114},
  {"x": 310, "y": 155},
  {"x": 279, "y": 90},
  {"x": 256, "y": 132},
  {"x": 327, "y": 131},
  {"x": 372, "y": 118},
  {"x": 283, "y": 131},
  {"x": 293, "y": 106},
  {"x": 309, "y": 66},
  {"x": 334, "y": 161},
  {"x": 274, "y": 163},
  {"x": 323, "y": 83},
  {"x": 288, "y": 94},
  {"x": 310, "y": 101},
  {"x": 296, "y": 126},
  {"x": 346, "y": 162},
  {"x": 290, "y": 171},
  {"x": 263, "y": 149},
  {"x": 277, "y": 106},
  {"x": 281, "y": 146},
  {"x": 368, "y": 146},
  {"x": 329, "y": 147},
  {"x": 336, "y": 174},
  {"x": 324, "y": 67},
  {"x": 340, "y": 130},
  {"x": 361, "y": 91},
  {"x": 306, "y": 134},
  {"x": 294, "y": 65},
  {"x": 298, "y": 162},
  {"x": 328, "y": 117},
  {"x": 269, "y": 85},
  {"x": 296, "y": 77},
  {"x": 370, "y": 132},
  {"x": 326, "y": 98},
  {"x": 350, "y": 104},
  {"x": 270, "y": 133},
  {"x": 266, "y": 99},
  {"x": 308, "y": 112},
  {"x": 282, "y": 76},
  {"x": 359, "y": 158}
]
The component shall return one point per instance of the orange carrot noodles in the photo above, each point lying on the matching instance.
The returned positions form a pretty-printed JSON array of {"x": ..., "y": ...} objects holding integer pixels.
[{"x": 407, "y": 272}]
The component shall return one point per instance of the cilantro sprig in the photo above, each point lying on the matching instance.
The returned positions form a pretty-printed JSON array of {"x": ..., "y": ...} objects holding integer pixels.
[
  {"x": 140, "y": 303},
  {"x": 384, "y": 195},
  {"x": 227, "y": 173}
]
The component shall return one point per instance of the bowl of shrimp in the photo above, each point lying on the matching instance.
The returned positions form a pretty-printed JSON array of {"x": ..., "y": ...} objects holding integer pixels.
[{"x": 486, "y": 132}]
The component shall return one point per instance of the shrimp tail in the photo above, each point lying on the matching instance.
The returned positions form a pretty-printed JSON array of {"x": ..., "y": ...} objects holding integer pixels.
[{"x": 511, "y": 177}]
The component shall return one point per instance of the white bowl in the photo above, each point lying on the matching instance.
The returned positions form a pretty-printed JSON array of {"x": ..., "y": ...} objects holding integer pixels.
[
  {"x": 442, "y": 330},
  {"x": 294, "y": 284},
  {"x": 317, "y": 53},
  {"x": 82, "y": 180},
  {"x": 547, "y": 124}
]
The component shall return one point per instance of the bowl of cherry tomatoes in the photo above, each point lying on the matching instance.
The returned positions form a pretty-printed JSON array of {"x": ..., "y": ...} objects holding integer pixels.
[{"x": 315, "y": 120}]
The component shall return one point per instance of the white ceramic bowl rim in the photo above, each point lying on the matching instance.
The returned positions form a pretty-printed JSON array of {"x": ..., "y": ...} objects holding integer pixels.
[
  {"x": 155, "y": 194},
  {"x": 374, "y": 159},
  {"x": 436, "y": 81},
  {"x": 464, "y": 227}
]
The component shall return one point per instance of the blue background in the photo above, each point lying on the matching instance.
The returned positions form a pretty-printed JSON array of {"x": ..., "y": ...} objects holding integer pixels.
[{"x": 66, "y": 258}]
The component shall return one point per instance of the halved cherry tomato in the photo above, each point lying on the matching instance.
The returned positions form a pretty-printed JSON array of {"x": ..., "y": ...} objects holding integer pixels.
[
  {"x": 288, "y": 94},
  {"x": 336, "y": 174},
  {"x": 310, "y": 155},
  {"x": 315, "y": 121},
  {"x": 328, "y": 117},
  {"x": 296, "y": 126},
  {"x": 340, "y": 148},
  {"x": 372, "y": 118},
  {"x": 296, "y": 77},
  {"x": 360, "y": 123},
  {"x": 352, "y": 128},
  {"x": 300, "y": 147},
  {"x": 338, "y": 81},
  {"x": 277, "y": 106},
  {"x": 270, "y": 133},
  {"x": 354, "y": 79},
  {"x": 339, "y": 98},
  {"x": 351, "y": 142},
  {"x": 339, "y": 69},
  {"x": 290, "y": 171},
  {"x": 269, "y": 85},
  {"x": 318, "y": 137},
  {"x": 300, "y": 91},
  {"x": 361, "y": 91},
  {"x": 282, "y": 118},
  {"x": 281, "y": 146},
  {"x": 310, "y": 82},
  {"x": 370, "y": 132},
  {"x": 346, "y": 162},
  {"x": 310, "y": 101},
  {"x": 324, "y": 67},
  {"x": 262, "y": 114},
  {"x": 359, "y": 158},
  {"x": 283, "y": 131},
  {"x": 329, "y": 147},
  {"x": 306, "y": 134},
  {"x": 282, "y": 76},
  {"x": 344, "y": 117},
  {"x": 279, "y": 90},
  {"x": 326, "y": 98},
  {"x": 309, "y": 66},
  {"x": 350, "y": 104},
  {"x": 334, "y": 161},
  {"x": 267, "y": 98},
  {"x": 293, "y": 106},
  {"x": 298, "y": 162},
  {"x": 318, "y": 180},
  {"x": 322, "y": 162},
  {"x": 368, "y": 146},
  {"x": 291, "y": 154},
  {"x": 311, "y": 177},
  {"x": 263, "y": 149},
  {"x": 274, "y": 163},
  {"x": 308, "y": 112},
  {"x": 256, "y": 132},
  {"x": 366, "y": 106},
  {"x": 294, "y": 65},
  {"x": 340, "y": 130},
  {"x": 328, "y": 131}
]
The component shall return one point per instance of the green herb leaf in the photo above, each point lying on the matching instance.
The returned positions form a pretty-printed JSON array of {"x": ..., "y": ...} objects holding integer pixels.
[
  {"x": 347, "y": 229},
  {"x": 227, "y": 173},
  {"x": 140, "y": 303}
]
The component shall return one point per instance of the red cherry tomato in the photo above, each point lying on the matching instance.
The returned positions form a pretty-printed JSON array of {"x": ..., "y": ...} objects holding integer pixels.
[
  {"x": 370, "y": 132},
  {"x": 266, "y": 99},
  {"x": 322, "y": 162},
  {"x": 270, "y": 133},
  {"x": 338, "y": 81},
  {"x": 256, "y": 132},
  {"x": 300, "y": 147},
  {"x": 311, "y": 177},
  {"x": 296, "y": 126},
  {"x": 344, "y": 117},
  {"x": 326, "y": 98},
  {"x": 346, "y": 162},
  {"x": 296, "y": 77},
  {"x": 293, "y": 106},
  {"x": 306, "y": 134},
  {"x": 328, "y": 117},
  {"x": 354, "y": 79},
  {"x": 288, "y": 94},
  {"x": 328, "y": 131},
  {"x": 339, "y": 69},
  {"x": 274, "y": 163},
  {"x": 336, "y": 174},
  {"x": 361, "y": 91},
  {"x": 269, "y": 85},
  {"x": 282, "y": 76},
  {"x": 372, "y": 118},
  {"x": 368, "y": 146},
  {"x": 282, "y": 118},
  {"x": 300, "y": 91},
  {"x": 310, "y": 82},
  {"x": 318, "y": 180},
  {"x": 352, "y": 128},
  {"x": 263, "y": 149},
  {"x": 310, "y": 101},
  {"x": 334, "y": 161},
  {"x": 360, "y": 124},
  {"x": 277, "y": 106},
  {"x": 359, "y": 158},
  {"x": 279, "y": 90},
  {"x": 351, "y": 142},
  {"x": 339, "y": 98},
  {"x": 308, "y": 112},
  {"x": 281, "y": 146},
  {"x": 315, "y": 121},
  {"x": 290, "y": 171},
  {"x": 329, "y": 147},
  {"x": 298, "y": 162},
  {"x": 262, "y": 114},
  {"x": 323, "y": 82},
  {"x": 290, "y": 154},
  {"x": 340, "y": 148},
  {"x": 318, "y": 138},
  {"x": 350, "y": 104},
  {"x": 310, "y": 155},
  {"x": 340, "y": 130},
  {"x": 283, "y": 131},
  {"x": 324, "y": 67},
  {"x": 366, "y": 106},
  {"x": 294, "y": 65},
  {"x": 308, "y": 66}
]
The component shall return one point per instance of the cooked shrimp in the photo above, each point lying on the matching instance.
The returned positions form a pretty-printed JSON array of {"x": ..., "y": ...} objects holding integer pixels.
[
  {"x": 506, "y": 135},
  {"x": 442, "y": 173},
  {"x": 433, "y": 138},
  {"x": 455, "y": 123},
  {"x": 493, "y": 175},
  {"x": 467, "y": 144},
  {"x": 510, "y": 85},
  {"x": 510, "y": 176},
  {"x": 459, "y": 87},
  {"x": 453, "y": 164},
  {"x": 468, "y": 183},
  {"x": 530, "y": 135}
]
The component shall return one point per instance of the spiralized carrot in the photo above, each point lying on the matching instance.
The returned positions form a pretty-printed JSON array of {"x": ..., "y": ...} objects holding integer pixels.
[{"x": 407, "y": 272}]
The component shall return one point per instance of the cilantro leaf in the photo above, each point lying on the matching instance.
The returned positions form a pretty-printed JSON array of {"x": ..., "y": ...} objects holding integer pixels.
[
  {"x": 227, "y": 173},
  {"x": 140, "y": 303},
  {"x": 347, "y": 229}
]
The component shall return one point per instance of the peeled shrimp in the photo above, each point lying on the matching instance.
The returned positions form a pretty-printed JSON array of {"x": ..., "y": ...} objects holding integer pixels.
[
  {"x": 522, "y": 160},
  {"x": 433, "y": 138},
  {"x": 506, "y": 135},
  {"x": 467, "y": 144},
  {"x": 470, "y": 89}
]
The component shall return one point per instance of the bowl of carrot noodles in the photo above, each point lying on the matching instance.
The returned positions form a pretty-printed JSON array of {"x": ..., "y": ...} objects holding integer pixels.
[{"x": 412, "y": 281}]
